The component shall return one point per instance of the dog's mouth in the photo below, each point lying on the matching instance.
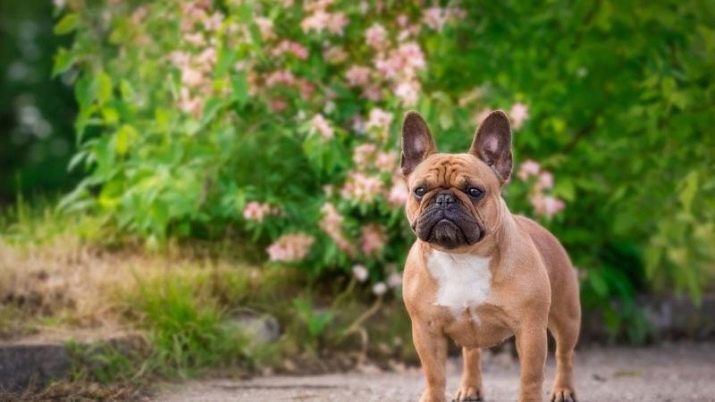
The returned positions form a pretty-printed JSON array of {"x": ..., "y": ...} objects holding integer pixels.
[{"x": 448, "y": 228}]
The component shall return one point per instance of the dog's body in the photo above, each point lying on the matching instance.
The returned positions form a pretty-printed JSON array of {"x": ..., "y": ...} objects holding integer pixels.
[{"x": 478, "y": 274}]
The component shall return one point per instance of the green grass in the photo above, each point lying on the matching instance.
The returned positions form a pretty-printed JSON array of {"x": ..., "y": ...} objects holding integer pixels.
[{"x": 40, "y": 222}]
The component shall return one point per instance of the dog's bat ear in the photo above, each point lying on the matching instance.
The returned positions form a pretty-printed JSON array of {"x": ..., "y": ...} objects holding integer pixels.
[
  {"x": 417, "y": 143},
  {"x": 492, "y": 144}
]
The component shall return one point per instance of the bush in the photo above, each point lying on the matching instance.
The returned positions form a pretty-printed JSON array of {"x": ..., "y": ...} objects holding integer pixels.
[{"x": 280, "y": 121}]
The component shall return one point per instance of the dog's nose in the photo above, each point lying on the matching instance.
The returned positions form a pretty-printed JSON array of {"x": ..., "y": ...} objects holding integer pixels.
[{"x": 445, "y": 199}]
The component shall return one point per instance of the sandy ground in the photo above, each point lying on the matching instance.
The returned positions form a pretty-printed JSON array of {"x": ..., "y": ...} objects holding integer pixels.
[{"x": 674, "y": 372}]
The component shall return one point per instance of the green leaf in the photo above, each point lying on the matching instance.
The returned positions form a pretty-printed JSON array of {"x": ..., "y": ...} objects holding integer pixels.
[
  {"x": 688, "y": 191},
  {"x": 240, "y": 88},
  {"x": 565, "y": 189},
  {"x": 85, "y": 91},
  {"x": 104, "y": 87},
  {"x": 110, "y": 115},
  {"x": 64, "y": 59},
  {"x": 76, "y": 160},
  {"x": 124, "y": 138},
  {"x": 67, "y": 24},
  {"x": 211, "y": 109}
]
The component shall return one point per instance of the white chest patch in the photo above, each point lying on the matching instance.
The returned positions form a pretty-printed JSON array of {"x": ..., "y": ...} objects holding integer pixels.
[{"x": 464, "y": 280}]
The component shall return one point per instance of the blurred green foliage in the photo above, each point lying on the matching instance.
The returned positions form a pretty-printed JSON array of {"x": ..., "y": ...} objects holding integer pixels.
[
  {"x": 620, "y": 101},
  {"x": 36, "y": 112}
]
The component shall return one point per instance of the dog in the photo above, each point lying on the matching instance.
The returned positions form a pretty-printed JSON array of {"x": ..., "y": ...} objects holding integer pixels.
[{"x": 479, "y": 274}]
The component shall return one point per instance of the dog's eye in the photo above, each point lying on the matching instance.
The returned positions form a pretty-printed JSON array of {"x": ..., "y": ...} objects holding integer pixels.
[
  {"x": 420, "y": 191},
  {"x": 475, "y": 192}
]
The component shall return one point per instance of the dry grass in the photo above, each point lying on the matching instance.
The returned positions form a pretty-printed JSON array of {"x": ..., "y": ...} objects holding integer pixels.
[
  {"x": 62, "y": 278},
  {"x": 65, "y": 285}
]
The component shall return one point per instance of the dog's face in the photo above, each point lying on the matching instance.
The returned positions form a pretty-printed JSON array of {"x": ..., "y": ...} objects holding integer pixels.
[{"x": 455, "y": 198}]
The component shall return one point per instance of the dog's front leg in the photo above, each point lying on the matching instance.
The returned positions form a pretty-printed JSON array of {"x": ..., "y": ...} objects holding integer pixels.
[
  {"x": 431, "y": 347},
  {"x": 532, "y": 347}
]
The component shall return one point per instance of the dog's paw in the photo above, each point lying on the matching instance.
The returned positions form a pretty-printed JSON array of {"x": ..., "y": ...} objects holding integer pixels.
[
  {"x": 563, "y": 395},
  {"x": 468, "y": 394}
]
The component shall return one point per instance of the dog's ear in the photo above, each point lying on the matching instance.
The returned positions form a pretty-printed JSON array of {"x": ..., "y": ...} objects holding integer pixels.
[
  {"x": 417, "y": 143},
  {"x": 492, "y": 144}
]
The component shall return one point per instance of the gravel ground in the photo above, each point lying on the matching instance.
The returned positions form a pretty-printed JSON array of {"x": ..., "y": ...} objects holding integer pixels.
[{"x": 671, "y": 372}]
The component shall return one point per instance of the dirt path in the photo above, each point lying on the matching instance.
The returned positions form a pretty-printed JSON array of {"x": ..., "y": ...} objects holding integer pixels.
[{"x": 678, "y": 372}]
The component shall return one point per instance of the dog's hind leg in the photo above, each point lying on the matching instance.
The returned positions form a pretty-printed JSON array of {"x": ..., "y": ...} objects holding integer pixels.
[{"x": 470, "y": 388}]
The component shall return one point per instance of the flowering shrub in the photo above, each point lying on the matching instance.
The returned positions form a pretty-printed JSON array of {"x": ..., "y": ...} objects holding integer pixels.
[{"x": 280, "y": 120}]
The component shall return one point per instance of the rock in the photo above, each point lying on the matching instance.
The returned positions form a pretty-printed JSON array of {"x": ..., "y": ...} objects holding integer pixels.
[
  {"x": 259, "y": 329},
  {"x": 35, "y": 361},
  {"x": 22, "y": 365}
]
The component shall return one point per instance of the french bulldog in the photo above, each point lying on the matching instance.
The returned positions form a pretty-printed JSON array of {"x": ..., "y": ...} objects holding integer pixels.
[{"x": 479, "y": 274}]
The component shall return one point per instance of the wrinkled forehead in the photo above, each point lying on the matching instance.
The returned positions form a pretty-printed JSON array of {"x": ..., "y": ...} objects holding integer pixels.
[{"x": 453, "y": 170}]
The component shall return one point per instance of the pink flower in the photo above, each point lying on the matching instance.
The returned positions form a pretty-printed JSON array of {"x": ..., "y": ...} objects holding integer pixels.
[
  {"x": 394, "y": 279},
  {"x": 196, "y": 39},
  {"x": 435, "y": 18},
  {"x": 376, "y": 37},
  {"x": 207, "y": 57},
  {"x": 360, "y": 273},
  {"x": 336, "y": 23},
  {"x": 379, "y": 288},
  {"x": 290, "y": 247},
  {"x": 519, "y": 112},
  {"x": 265, "y": 25},
  {"x": 256, "y": 211},
  {"x": 294, "y": 48},
  {"x": 398, "y": 193},
  {"x": 358, "y": 124},
  {"x": 253, "y": 212},
  {"x": 191, "y": 77},
  {"x": 528, "y": 168},
  {"x": 372, "y": 92},
  {"x": 547, "y": 205},
  {"x": 360, "y": 187},
  {"x": 331, "y": 220},
  {"x": 277, "y": 104},
  {"x": 412, "y": 55},
  {"x": 388, "y": 67},
  {"x": 320, "y": 125},
  {"x": 358, "y": 76},
  {"x": 408, "y": 92},
  {"x": 298, "y": 50},
  {"x": 373, "y": 239},
  {"x": 317, "y": 21},
  {"x": 321, "y": 20},
  {"x": 284, "y": 77},
  {"x": 386, "y": 162},
  {"x": 335, "y": 55},
  {"x": 306, "y": 88},
  {"x": 331, "y": 223},
  {"x": 363, "y": 154},
  {"x": 213, "y": 22},
  {"x": 181, "y": 59},
  {"x": 546, "y": 180},
  {"x": 379, "y": 119},
  {"x": 189, "y": 104}
]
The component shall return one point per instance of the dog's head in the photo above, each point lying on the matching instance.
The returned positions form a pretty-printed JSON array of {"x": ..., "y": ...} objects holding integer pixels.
[{"x": 455, "y": 198}]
